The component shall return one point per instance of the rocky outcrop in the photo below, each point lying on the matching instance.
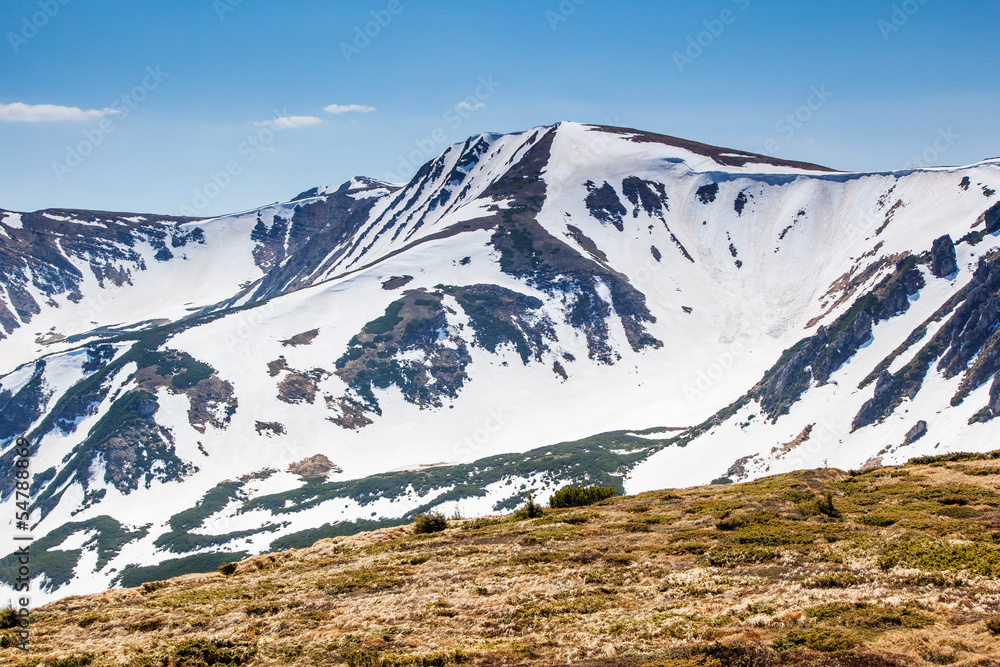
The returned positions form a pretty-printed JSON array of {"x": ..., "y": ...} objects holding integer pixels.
[
  {"x": 918, "y": 431},
  {"x": 992, "y": 219},
  {"x": 604, "y": 204},
  {"x": 816, "y": 358},
  {"x": 944, "y": 261},
  {"x": 650, "y": 195}
]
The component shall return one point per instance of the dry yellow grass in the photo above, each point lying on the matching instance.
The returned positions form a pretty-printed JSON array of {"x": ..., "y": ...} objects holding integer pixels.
[{"x": 751, "y": 574}]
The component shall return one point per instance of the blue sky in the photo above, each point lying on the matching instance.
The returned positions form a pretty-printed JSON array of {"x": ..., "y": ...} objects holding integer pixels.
[{"x": 213, "y": 106}]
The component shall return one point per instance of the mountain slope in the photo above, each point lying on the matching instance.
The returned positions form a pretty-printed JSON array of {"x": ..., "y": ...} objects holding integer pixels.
[
  {"x": 363, "y": 353},
  {"x": 753, "y": 573}
]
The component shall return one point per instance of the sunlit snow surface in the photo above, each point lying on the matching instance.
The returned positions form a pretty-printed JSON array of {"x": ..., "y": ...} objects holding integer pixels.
[{"x": 761, "y": 279}]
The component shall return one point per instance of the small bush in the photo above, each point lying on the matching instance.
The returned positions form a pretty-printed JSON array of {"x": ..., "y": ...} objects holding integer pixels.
[
  {"x": 825, "y": 505},
  {"x": 818, "y": 639},
  {"x": 993, "y": 625},
  {"x": 578, "y": 496},
  {"x": 731, "y": 523},
  {"x": 8, "y": 618},
  {"x": 90, "y": 619},
  {"x": 531, "y": 509},
  {"x": 151, "y": 586},
  {"x": 227, "y": 569},
  {"x": 433, "y": 522}
]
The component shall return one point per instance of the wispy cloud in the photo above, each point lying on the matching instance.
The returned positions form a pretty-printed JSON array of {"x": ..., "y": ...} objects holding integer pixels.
[
  {"x": 18, "y": 112},
  {"x": 290, "y": 122},
  {"x": 348, "y": 108},
  {"x": 470, "y": 106}
]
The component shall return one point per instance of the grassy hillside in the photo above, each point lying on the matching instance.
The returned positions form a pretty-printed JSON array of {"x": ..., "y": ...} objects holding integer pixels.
[{"x": 889, "y": 566}]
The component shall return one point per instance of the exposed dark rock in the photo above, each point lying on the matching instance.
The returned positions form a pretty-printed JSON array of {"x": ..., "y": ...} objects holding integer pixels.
[
  {"x": 995, "y": 395},
  {"x": 18, "y": 411},
  {"x": 965, "y": 183},
  {"x": 944, "y": 261},
  {"x": 871, "y": 411},
  {"x": 271, "y": 428},
  {"x": 587, "y": 243},
  {"x": 969, "y": 333},
  {"x": 740, "y": 203},
  {"x": 706, "y": 194},
  {"x": 818, "y": 357},
  {"x": 650, "y": 195},
  {"x": 992, "y": 219},
  {"x": 604, "y": 204},
  {"x": 304, "y": 338},
  {"x": 656, "y": 253},
  {"x": 918, "y": 431}
]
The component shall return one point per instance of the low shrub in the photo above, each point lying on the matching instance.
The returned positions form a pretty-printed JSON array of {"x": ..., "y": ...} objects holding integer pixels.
[
  {"x": 8, "y": 618},
  {"x": 531, "y": 509},
  {"x": 432, "y": 522},
  {"x": 578, "y": 496},
  {"x": 818, "y": 639},
  {"x": 993, "y": 625},
  {"x": 151, "y": 586},
  {"x": 227, "y": 569},
  {"x": 825, "y": 505}
]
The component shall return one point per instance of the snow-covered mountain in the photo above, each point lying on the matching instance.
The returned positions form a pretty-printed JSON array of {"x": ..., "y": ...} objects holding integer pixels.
[{"x": 567, "y": 304}]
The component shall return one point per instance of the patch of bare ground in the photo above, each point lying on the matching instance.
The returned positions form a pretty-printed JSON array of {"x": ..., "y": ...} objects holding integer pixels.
[{"x": 903, "y": 570}]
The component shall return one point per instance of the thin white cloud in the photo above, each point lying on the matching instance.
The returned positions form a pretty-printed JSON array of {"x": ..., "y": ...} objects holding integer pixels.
[
  {"x": 18, "y": 112},
  {"x": 470, "y": 106},
  {"x": 291, "y": 122},
  {"x": 348, "y": 108}
]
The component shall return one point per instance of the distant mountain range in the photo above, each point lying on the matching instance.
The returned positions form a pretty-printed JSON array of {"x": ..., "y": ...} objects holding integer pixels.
[{"x": 567, "y": 304}]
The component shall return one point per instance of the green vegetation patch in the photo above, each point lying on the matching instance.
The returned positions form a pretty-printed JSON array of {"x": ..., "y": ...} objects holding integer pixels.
[
  {"x": 936, "y": 555},
  {"x": 577, "y": 496}
]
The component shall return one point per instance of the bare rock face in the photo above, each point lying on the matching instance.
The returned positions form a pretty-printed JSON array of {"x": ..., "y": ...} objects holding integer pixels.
[
  {"x": 918, "y": 431},
  {"x": 944, "y": 262},
  {"x": 992, "y": 216},
  {"x": 313, "y": 467},
  {"x": 870, "y": 412},
  {"x": 995, "y": 395}
]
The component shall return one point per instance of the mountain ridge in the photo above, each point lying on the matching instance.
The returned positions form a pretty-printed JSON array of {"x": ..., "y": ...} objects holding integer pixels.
[{"x": 729, "y": 313}]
